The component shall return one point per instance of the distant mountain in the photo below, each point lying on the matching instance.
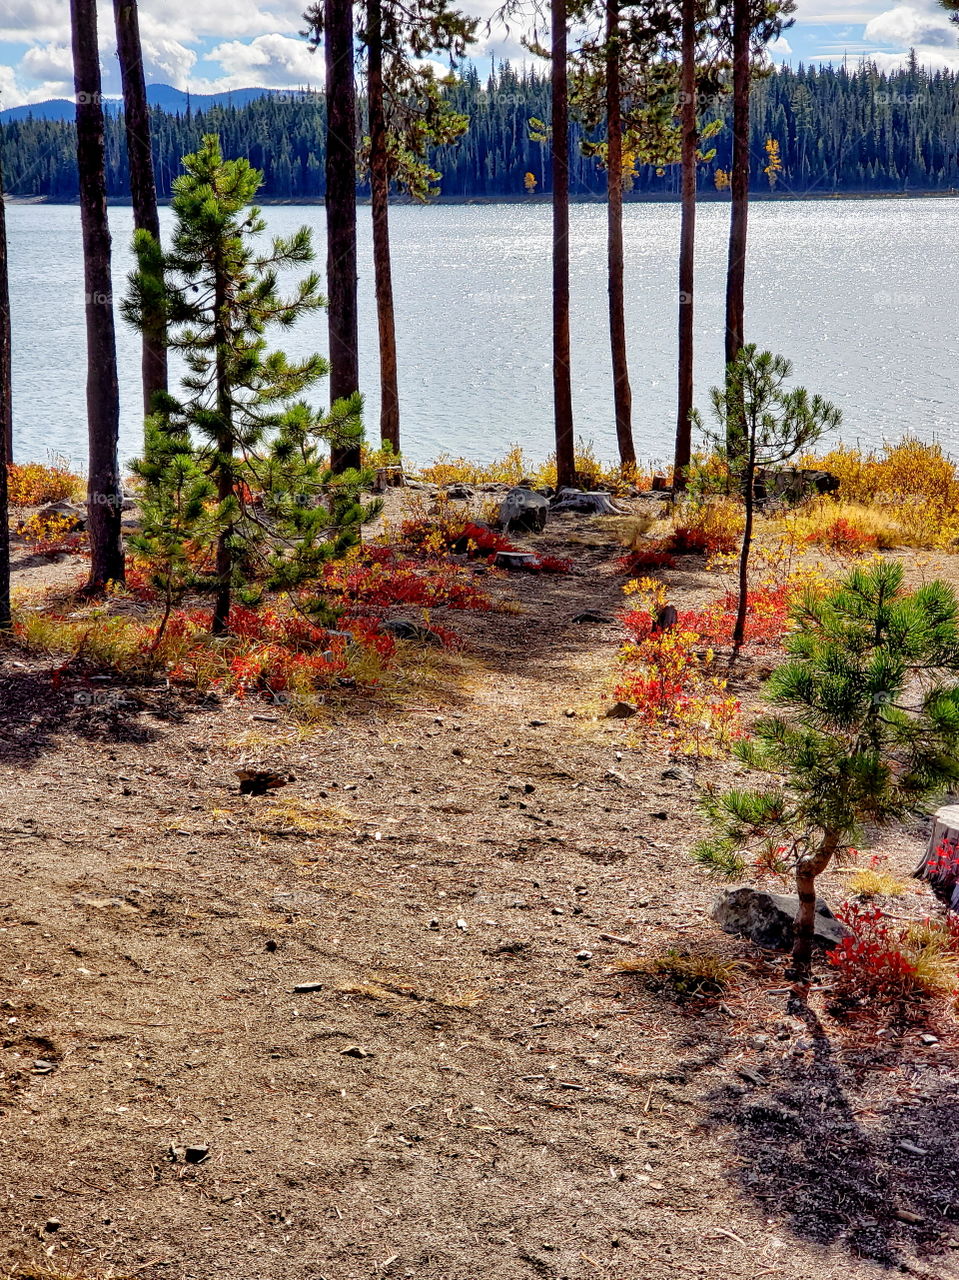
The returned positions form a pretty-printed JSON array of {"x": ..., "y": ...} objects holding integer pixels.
[{"x": 173, "y": 101}]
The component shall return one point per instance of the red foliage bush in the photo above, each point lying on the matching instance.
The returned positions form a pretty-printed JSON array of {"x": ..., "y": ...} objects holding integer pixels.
[
  {"x": 871, "y": 964},
  {"x": 843, "y": 536}
]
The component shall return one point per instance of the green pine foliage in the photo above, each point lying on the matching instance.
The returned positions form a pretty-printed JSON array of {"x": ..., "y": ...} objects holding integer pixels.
[
  {"x": 864, "y": 726},
  {"x": 838, "y": 131},
  {"x": 235, "y": 459}
]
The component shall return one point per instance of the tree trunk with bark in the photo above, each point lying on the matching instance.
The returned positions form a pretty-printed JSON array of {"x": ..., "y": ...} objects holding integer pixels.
[
  {"x": 562, "y": 385},
  {"x": 622, "y": 393},
  {"x": 6, "y": 418},
  {"x": 103, "y": 398},
  {"x": 136, "y": 120},
  {"x": 807, "y": 869},
  {"x": 380, "y": 201},
  {"x": 6, "y": 342},
  {"x": 739, "y": 211},
  {"x": 687, "y": 246},
  {"x": 341, "y": 212}
]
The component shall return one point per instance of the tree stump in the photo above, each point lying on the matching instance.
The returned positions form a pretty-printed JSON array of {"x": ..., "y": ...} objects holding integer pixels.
[
  {"x": 388, "y": 478},
  {"x": 593, "y": 504},
  {"x": 940, "y": 864}
]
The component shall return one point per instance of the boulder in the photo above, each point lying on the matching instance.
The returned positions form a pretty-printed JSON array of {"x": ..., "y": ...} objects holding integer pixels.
[
  {"x": 791, "y": 485},
  {"x": 67, "y": 511},
  {"x": 523, "y": 511},
  {"x": 768, "y": 918}
]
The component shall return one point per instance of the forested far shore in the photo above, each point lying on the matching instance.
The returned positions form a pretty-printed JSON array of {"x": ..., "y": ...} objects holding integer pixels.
[{"x": 860, "y": 132}]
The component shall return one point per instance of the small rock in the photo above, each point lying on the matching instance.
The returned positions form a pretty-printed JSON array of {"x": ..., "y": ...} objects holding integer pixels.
[
  {"x": 584, "y": 955},
  {"x": 591, "y": 616},
  {"x": 42, "y": 1067},
  {"x": 270, "y": 944},
  {"x": 302, "y": 988},
  {"x": 51, "y": 1225},
  {"x": 356, "y": 1051},
  {"x": 620, "y": 711},
  {"x": 433, "y": 924},
  {"x": 461, "y": 924},
  {"x": 929, "y": 1039},
  {"x": 196, "y": 1153},
  {"x": 675, "y": 774}
]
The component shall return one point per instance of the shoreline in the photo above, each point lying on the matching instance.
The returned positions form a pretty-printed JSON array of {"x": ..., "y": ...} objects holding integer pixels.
[{"x": 650, "y": 198}]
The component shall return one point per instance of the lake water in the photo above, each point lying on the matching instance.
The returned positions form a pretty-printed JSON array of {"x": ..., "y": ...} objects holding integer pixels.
[{"x": 860, "y": 295}]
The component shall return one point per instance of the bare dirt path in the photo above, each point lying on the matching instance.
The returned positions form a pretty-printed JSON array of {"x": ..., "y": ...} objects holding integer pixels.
[{"x": 470, "y": 1091}]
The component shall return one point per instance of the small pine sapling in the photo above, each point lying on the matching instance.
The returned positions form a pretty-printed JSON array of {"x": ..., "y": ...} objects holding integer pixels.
[
  {"x": 240, "y": 420},
  {"x": 865, "y": 730},
  {"x": 761, "y": 425}
]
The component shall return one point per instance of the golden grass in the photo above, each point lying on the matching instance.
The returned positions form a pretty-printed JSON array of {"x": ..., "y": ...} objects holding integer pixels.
[
  {"x": 292, "y": 813},
  {"x": 685, "y": 973},
  {"x": 867, "y": 883}
]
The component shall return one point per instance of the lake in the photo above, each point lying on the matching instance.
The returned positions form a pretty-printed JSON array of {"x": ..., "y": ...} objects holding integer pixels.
[{"x": 860, "y": 295}]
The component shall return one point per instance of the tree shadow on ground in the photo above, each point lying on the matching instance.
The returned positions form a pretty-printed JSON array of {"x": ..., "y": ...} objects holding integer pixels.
[
  {"x": 42, "y": 706},
  {"x": 804, "y": 1152}
]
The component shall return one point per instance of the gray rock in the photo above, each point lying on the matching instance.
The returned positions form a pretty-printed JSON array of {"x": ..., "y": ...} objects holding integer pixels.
[
  {"x": 768, "y": 918},
  {"x": 620, "y": 711},
  {"x": 196, "y": 1154},
  {"x": 302, "y": 988},
  {"x": 523, "y": 511},
  {"x": 403, "y": 629}
]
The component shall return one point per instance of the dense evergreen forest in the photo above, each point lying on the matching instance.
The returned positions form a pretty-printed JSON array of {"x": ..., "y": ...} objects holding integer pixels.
[{"x": 837, "y": 131}]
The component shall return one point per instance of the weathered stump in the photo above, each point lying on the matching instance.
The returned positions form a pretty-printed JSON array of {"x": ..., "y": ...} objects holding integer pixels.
[
  {"x": 388, "y": 478},
  {"x": 523, "y": 511},
  {"x": 940, "y": 864},
  {"x": 591, "y": 504}
]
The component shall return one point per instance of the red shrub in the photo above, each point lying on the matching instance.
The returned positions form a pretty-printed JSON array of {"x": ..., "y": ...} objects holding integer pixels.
[{"x": 844, "y": 537}]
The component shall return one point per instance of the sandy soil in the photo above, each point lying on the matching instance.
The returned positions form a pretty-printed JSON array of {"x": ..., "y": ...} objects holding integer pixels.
[{"x": 472, "y": 1090}]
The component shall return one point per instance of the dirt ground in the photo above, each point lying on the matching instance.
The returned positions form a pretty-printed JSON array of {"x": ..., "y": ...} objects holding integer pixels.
[{"x": 471, "y": 1090}]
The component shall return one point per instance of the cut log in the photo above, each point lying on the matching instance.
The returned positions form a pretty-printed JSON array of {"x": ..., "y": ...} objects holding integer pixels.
[
  {"x": 388, "y": 478},
  {"x": 591, "y": 504},
  {"x": 940, "y": 864}
]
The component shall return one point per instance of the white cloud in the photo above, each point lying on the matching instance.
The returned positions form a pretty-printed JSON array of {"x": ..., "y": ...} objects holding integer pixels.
[
  {"x": 780, "y": 46},
  {"x": 270, "y": 61},
  {"x": 909, "y": 26}
]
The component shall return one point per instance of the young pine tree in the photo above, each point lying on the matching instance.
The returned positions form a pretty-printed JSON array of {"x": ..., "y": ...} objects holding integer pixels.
[
  {"x": 234, "y": 460},
  {"x": 761, "y": 425},
  {"x": 864, "y": 729}
]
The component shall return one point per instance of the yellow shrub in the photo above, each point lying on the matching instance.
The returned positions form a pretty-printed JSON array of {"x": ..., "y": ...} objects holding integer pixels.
[
  {"x": 912, "y": 486},
  {"x": 868, "y": 883}
]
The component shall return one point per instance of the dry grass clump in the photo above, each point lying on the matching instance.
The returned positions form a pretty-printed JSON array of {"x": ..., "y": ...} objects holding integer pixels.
[
  {"x": 685, "y": 973},
  {"x": 869, "y": 883},
  {"x": 514, "y": 466}
]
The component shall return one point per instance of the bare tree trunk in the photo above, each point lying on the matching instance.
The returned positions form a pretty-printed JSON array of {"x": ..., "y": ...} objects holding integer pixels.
[
  {"x": 687, "y": 246},
  {"x": 380, "y": 199},
  {"x": 341, "y": 212},
  {"x": 622, "y": 393},
  {"x": 807, "y": 869},
  {"x": 742, "y": 605},
  {"x": 225, "y": 451},
  {"x": 562, "y": 386},
  {"x": 103, "y": 397},
  {"x": 739, "y": 212},
  {"x": 6, "y": 418},
  {"x": 136, "y": 120}
]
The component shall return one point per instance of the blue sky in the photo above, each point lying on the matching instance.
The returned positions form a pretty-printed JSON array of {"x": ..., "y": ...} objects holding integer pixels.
[{"x": 207, "y": 45}]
